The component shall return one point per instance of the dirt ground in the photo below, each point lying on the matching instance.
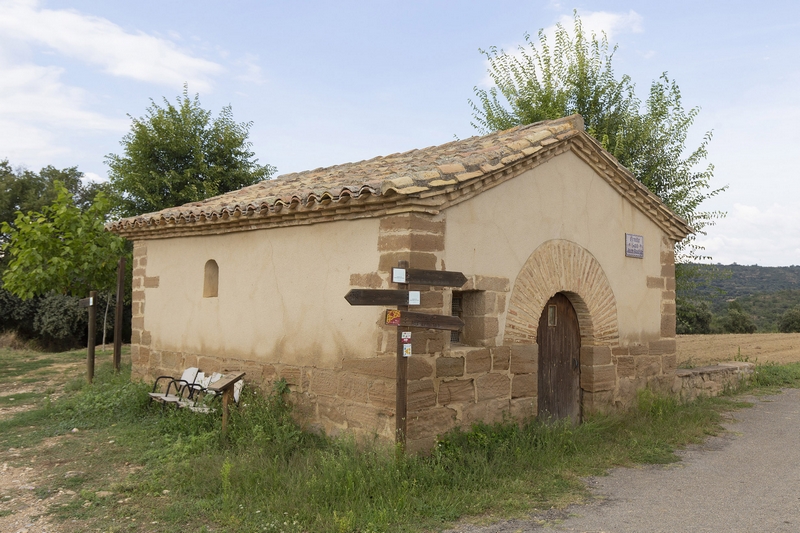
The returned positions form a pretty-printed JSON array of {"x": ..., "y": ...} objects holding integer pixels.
[{"x": 701, "y": 350}]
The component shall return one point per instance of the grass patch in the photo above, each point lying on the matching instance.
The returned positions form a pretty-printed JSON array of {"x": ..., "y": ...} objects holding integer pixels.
[
  {"x": 174, "y": 468},
  {"x": 20, "y": 398},
  {"x": 770, "y": 377}
]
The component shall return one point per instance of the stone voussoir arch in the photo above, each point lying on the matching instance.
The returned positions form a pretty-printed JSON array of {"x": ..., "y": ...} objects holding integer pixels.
[{"x": 562, "y": 266}]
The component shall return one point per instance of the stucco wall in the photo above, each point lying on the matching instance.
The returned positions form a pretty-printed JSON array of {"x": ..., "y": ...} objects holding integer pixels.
[
  {"x": 495, "y": 232},
  {"x": 280, "y": 310},
  {"x": 281, "y": 294}
]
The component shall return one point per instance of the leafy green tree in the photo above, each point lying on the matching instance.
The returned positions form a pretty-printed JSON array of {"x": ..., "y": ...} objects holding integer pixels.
[
  {"x": 62, "y": 249},
  {"x": 790, "y": 321},
  {"x": 25, "y": 190},
  {"x": 737, "y": 321},
  {"x": 178, "y": 154},
  {"x": 575, "y": 75},
  {"x": 693, "y": 317}
]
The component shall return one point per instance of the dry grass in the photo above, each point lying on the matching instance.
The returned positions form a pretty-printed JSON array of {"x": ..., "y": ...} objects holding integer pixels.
[{"x": 703, "y": 350}]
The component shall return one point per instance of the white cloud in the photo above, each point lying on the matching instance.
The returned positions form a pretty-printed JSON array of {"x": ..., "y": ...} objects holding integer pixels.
[
  {"x": 99, "y": 42},
  {"x": 250, "y": 70},
  {"x": 34, "y": 94},
  {"x": 25, "y": 144},
  {"x": 599, "y": 22},
  {"x": 752, "y": 235},
  {"x": 42, "y": 115},
  {"x": 593, "y": 22}
]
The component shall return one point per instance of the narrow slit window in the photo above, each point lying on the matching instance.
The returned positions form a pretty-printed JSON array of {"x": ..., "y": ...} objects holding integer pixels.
[
  {"x": 551, "y": 315},
  {"x": 456, "y": 310},
  {"x": 211, "y": 280}
]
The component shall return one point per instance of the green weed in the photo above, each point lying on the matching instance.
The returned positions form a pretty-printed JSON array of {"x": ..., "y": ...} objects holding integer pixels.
[{"x": 773, "y": 376}]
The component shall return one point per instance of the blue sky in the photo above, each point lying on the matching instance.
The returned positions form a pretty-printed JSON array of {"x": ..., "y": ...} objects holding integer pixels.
[{"x": 331, "y": 82}]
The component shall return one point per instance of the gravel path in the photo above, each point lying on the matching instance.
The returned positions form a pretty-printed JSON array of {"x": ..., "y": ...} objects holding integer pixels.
[{"x": 747, "y": 480}]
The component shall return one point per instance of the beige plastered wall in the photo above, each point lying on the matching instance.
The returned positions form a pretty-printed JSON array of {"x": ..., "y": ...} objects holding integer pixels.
[
  {"x": 495, "y": 232},
  {"x": 280, "y": 310}
]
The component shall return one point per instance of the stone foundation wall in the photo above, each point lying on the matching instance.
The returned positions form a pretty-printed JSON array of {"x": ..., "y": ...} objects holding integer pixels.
[{"x": 693, "y": 383}]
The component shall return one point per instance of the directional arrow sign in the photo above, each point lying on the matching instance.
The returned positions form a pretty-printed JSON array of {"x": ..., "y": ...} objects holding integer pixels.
[
  {"x": 423, "y": 320},
  {"x": 381, "y": 297},
  {"x": 439, "y": 278}
]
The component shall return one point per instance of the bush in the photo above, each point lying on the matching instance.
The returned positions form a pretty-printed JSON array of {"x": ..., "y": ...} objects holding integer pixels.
[
  {"x": 737, "y": 321},
  {"x": 60, "y": 321},
  {"x": 790, "y": 321},
  {"x": 16, "y": 314},
  {"x": 693, "y": 318},
  {"x": 57, "y": 322}
]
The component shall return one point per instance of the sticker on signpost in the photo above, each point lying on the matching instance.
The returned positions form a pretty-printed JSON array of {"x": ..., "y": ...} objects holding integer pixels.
[
  {"x": 398, "y": 275},
  {"x": 406, "y": 337},
  {"x": 392, "y": 317},
  {"x": 413, "y": 297},
  {"x": 406, "y": 350}
]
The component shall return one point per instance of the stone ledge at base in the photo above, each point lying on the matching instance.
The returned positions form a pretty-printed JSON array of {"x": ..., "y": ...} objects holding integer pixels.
[{"x": 691, "y": 383}]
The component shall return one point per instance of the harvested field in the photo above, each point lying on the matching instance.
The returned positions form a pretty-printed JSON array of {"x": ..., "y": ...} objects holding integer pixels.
[{"x": 701, "y": 350}]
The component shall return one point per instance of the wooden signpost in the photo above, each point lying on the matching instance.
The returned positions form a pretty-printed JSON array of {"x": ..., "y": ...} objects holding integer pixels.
[
  {"x": 438, "y": 278},
  {"x": 423, "y": 320},
  {"x": 382, "y": 297},
  {"x": 91, "y": 303},
  {"x": 403, "y": 318}
]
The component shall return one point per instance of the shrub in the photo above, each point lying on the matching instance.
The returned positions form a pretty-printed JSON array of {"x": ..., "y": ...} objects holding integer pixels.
[
  {"x": 693, "y": 318},
  {"x": 790, "y": 321},
  {"x": 17, "y": 314},
  {"x": 60, "y": 321},
  {"x": 737, "y": 321}
]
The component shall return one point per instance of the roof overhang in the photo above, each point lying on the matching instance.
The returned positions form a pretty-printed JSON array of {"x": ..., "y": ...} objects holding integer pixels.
[{"x": 428, "y": 191}]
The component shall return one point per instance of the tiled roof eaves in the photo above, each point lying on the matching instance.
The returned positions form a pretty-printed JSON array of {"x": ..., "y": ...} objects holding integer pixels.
[{"x": 430, "y": 189}]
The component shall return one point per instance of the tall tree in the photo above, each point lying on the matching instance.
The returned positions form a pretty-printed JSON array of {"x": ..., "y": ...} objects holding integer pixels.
[
  {"x": 575, "y": 75},
  {"x": 178, "y": 154},
  {"x": 61, "y": 249},
  {"x": 25, "y": 190}
]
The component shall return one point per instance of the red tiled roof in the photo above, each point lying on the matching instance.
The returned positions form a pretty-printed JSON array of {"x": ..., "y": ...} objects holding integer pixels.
[{"x": 408, "y": 180}]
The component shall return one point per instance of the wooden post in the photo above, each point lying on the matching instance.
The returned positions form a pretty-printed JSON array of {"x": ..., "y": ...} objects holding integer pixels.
[
  {"x": 118, "y": 313},
  {"x": 226, "y": 386},
  {"x": 401, "y": 395},
  {"x": 226, "y": 397},
  {"x": 92, "y": 335}
]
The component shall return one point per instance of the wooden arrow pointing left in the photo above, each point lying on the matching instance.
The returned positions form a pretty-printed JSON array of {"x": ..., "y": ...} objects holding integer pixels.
[{"x": 382, "y": 297}]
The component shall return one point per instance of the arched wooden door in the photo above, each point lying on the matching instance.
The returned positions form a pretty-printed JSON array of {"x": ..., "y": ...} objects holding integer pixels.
[{"x": 559, "y": 342}]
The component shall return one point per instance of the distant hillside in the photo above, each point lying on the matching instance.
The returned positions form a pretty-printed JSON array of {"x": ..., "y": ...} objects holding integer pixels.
[
  {"x": 766, "y": 308},
  {"x": 764, "y": 293},
  {"x": 736, "y": 281}
]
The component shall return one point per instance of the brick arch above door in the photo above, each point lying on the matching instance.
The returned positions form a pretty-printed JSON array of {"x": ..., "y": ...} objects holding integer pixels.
[{"x": 562, "y": 266}]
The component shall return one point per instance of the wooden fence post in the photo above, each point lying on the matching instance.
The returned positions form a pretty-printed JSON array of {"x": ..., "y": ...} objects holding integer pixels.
[
  {"x": 92, "y": 335},
  {"x": 118, "y": 313}
]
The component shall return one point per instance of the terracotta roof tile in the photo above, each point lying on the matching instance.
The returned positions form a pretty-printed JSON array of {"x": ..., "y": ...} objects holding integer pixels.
[{"x": 292, "y": 197}]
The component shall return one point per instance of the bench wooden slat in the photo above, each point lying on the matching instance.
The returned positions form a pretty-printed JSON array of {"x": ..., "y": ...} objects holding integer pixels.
[{"x": 226, "y": 382}]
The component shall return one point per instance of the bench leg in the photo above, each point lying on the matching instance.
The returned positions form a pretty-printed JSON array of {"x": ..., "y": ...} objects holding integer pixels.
[{"x": 225, "y": 399}]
